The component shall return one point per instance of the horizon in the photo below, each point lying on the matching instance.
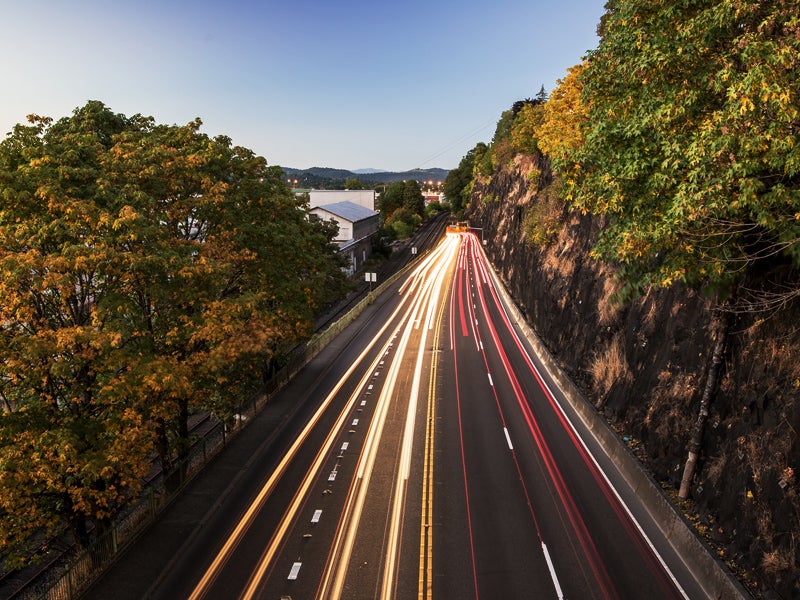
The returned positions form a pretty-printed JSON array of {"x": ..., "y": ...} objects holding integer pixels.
[{"x": 303, "y": 84}]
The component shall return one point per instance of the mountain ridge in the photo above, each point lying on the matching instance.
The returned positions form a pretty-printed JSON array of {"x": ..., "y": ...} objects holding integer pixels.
[{"x": 327, "y": 176}]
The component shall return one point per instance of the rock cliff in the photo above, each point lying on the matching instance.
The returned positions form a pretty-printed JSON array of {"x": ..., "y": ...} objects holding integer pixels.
[{"x": 643, "y": 364}]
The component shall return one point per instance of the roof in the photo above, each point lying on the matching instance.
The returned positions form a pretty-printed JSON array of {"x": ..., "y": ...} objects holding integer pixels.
[{"x": 348, "y": 210}]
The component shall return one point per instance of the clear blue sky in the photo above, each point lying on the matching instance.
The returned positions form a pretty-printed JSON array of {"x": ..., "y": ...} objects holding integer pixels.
[{"x": 337, "y": 83}]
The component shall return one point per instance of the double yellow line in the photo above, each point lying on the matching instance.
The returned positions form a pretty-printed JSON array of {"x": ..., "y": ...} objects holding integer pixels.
[{"x": 425, "y": 590}]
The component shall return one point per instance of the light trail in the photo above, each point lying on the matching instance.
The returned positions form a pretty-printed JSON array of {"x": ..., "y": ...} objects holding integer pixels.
[
  {"x": 625, "y": 515},
  {"x": 333, "y": 581},
  {"x": 249, "y": 515},
  {"x": 430, "y": 301}
]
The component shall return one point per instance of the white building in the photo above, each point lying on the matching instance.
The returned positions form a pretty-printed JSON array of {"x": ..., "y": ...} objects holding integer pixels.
[
  {"x": 365, "y": 198},
  {"x": 357, "y": 225}
]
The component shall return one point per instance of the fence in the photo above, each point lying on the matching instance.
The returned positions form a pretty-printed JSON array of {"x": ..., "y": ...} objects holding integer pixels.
[{"x": 70, "y": 574}]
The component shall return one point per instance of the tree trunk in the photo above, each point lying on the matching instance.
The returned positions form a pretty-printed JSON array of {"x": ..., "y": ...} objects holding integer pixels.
[
  {"x": 184, "y": 443},
  {"x": 163, "y": 446},
  {"x": 714, "y": 370}
]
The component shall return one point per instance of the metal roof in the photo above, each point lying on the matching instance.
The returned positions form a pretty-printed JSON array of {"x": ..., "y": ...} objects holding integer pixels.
[{"x": 348, "y": 210}]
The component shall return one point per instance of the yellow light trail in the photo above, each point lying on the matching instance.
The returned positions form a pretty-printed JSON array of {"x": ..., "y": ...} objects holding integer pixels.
[{"x": 427, "y": 278}]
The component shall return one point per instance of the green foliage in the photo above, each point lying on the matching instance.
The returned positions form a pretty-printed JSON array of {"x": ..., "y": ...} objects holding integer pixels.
[
  {"x": 144, "y": 270},
  {"x": 691, "y": 142},
  {"x": 483, "y": 164},
  {"x": 353, "y": 183},
  {"x": 434, "y": 208},
  {"x": 401, "y": 194},
  {"x": 390, "y": 199},
  {"x": 404, "y": 222},
  {"x": 524, "y": 130},
  {"x": 458, "y": 183},
  {"x": 502, "y": 131},
  {"x": 413, "y": 200},
  {"x": 545, "y": 216}
]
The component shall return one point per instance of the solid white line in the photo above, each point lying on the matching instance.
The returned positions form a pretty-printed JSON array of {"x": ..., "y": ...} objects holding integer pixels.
[
  {"x": 552, "y": 572},
  {"x": 508, "y": 438}
]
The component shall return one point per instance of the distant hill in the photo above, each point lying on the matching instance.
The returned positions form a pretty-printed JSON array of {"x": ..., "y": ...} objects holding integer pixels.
[{"x": 327, "y": 178}]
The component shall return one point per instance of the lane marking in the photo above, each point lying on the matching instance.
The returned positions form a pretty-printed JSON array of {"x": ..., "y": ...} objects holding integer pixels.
[
  {"x": 497, "y": 289},
  {"x": 295, "y": 570},
  {"x": 552, "y": 569},
  {"x": 491, "y": 383},
  {"x": 317, "y": 515},
  {"x": 345, "y": 445},
  {"x": 508, "y": 438}
]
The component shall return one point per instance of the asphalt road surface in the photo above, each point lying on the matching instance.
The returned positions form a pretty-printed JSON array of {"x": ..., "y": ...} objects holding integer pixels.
[{"x": 424, "y": 454}]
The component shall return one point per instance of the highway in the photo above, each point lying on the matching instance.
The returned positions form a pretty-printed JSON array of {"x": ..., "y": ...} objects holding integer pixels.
[{"x": 432, "y": 458}]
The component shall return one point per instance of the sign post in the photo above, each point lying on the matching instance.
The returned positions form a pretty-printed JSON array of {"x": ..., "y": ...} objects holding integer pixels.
[{"x": 371, "y": 278}]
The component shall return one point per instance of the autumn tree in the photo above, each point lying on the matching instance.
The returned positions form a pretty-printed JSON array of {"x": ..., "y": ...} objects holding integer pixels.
[
  {"x": 70, "y": 448},
  {"x": 691, "y": 143},
  {"x": 557, "y": 126},
  {"x": 148, "y": 271}
]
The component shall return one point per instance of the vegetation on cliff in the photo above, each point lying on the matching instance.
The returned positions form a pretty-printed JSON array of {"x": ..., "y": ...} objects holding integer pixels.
[{"x": 678, "y": 138}]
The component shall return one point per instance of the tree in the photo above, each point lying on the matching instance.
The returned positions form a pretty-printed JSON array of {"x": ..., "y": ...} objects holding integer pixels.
[
  {"x": 391, "y": 199},
  {"x": 413, "y": 200},
  {"x": 458, "y": 183},
  {"x": 557, "y": 127},
  {"x": 147, "y": 271},
  {"x": 353, "y": 183},
  {"x": 690, "y": 147},
  {"x": 69, "y": 449},
  {"x": 401, "y": 194},
  {"x": 403, "y": 222}
]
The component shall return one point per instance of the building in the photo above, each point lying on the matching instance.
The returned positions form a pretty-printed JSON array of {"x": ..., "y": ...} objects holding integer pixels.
[
  {"x": 365, "y": 198},
  {"x": 357, "y": 226}
]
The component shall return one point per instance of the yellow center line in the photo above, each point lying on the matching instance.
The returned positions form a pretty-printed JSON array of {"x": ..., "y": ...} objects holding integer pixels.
[{"x": 426, "y": 518}]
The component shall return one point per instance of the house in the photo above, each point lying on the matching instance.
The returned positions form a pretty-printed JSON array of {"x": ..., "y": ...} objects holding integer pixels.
[{"x": 357, "y": 226}]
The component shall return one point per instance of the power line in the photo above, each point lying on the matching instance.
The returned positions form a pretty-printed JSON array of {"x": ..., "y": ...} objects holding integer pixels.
[{"x": 456, "y": 142}]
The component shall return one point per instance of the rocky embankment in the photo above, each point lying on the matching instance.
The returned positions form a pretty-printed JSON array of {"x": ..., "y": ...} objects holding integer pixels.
[{"x": 644, "y": 365}]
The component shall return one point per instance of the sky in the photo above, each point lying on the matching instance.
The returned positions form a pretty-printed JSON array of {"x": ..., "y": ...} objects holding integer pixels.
[{"x": 349, "y": 84}]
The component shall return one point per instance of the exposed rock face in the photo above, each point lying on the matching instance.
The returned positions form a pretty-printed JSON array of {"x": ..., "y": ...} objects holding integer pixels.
[{"x": 644, "y": 365}]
